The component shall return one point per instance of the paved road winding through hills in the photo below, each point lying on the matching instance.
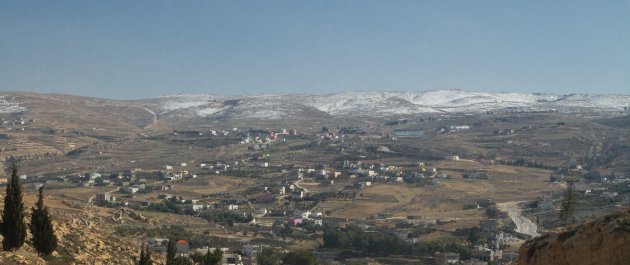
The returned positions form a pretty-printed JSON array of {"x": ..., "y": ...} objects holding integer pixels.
[
  {"x": 154, "y": 120},
  {"x": 523, "y": 225},
  {"x": 297, "y": 184}
]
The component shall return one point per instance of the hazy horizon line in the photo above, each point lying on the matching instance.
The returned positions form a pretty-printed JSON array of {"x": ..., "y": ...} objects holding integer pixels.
[{"x": 305, "y": 94}]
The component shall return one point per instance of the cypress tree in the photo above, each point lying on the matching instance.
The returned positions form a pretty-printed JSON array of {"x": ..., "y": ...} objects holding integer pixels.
[
  {"x": 44, "y": 239},
  {"x": 171, "y": 250},
  {"x": 213, "y": 258},
  {"x": 568, "y": 203},
  {"x": 207, "y": 259},
  {"x": 182, "y": 261},
  {"x": 268, "y": 256},
  {"x": 142, "y": 260},
  {"x": 148, "y": 257},
  {"x": 217, "y": 256},
  {"x": 145, "y": 257},
  {"x": 13, "y": 226}
]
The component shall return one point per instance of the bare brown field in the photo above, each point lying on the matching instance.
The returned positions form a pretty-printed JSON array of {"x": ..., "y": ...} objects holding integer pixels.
[
  {"x": 200, "y": 186},
  {"x": 445, "y": 201},
  {"x": 175, "y": 219},
  {"x": 81, "y": 193},
  {"x": 215, "y": 184}
]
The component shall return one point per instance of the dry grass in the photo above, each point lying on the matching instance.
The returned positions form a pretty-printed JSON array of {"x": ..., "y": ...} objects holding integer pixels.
[
  {"x": 445, "y": 201},
  {"x": 81, "y": 193}
]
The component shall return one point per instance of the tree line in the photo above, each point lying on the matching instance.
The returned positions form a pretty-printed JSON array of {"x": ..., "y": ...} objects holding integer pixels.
[
  {"x": 521, "y": 162},
  {"x": 353, "y": 241},
  {"x": 269, "y": 256}
]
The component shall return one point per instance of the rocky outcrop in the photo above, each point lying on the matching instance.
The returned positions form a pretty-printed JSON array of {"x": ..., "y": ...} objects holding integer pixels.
[
  {"x": 124, "y": 215},
  {"x": 85, "y": 234},
  {"x": 603, "y": 241}
]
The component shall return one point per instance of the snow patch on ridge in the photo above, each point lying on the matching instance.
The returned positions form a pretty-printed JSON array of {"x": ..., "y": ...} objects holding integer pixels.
[
  {"x": 8, "y": 107},
  {"x": 176, "y": 102},
  {"x": 379, "y": 104}
]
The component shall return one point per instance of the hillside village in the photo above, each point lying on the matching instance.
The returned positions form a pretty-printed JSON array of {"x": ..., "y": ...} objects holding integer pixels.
[{"x": 435, "y": 189}]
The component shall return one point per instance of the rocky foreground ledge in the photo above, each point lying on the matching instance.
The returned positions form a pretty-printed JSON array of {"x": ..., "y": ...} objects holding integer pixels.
[{"x": 603, "y": 241}]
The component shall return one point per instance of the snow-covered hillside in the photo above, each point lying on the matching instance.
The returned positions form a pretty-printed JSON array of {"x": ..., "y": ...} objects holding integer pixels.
[
  {"x": 8, "y": 107},
  {"x": 380, "y": 104}
]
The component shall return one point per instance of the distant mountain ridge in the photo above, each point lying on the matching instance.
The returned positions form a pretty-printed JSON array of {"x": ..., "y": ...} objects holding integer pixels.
[
  {"x": 353, "y": 104},
  {"x": 381, "y": 104}
]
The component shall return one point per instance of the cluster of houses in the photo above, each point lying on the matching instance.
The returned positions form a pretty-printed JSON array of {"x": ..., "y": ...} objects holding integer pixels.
[
  {"x": 128, "y": 182},
  {"x": 484, "y": 255},
  {"x": 303, "y": 217},
  {"x": 219, "y": 132},
  {"x": 242, "y": 256},
  {"x": 454, "y": 128},
  {"x": 615, "y": 179},
  {"x": 263, "y": 139},
  {"x": 256, "y": 139},
  {"x": 17, "y": 124},
  {"x": 365, "y": 174}
]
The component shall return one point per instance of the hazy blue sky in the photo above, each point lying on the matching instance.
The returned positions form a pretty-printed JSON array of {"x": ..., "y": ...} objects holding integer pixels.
[{"x": 134, "y": 49}]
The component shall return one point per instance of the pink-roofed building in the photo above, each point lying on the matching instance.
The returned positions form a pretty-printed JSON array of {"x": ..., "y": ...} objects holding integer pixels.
[{"x": 295, "y": 220}]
